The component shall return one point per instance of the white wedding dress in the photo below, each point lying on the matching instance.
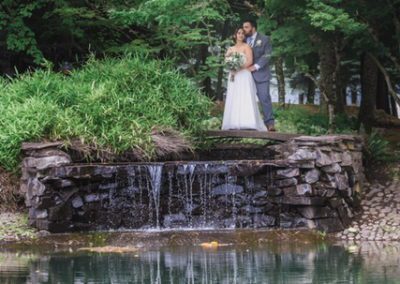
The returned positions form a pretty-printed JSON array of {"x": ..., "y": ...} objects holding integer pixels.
[{"x": 241, "y": 107}]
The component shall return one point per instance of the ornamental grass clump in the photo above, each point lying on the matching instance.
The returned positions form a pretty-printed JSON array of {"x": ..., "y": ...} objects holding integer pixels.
[{"x": 111, "y": 104}]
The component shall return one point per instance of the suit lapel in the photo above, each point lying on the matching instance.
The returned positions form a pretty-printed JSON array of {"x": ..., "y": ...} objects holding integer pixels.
[{"x": 255, "y": 40}]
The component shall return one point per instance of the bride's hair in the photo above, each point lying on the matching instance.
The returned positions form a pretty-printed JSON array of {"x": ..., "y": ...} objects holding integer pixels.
[{"x": 235, "y": 33}]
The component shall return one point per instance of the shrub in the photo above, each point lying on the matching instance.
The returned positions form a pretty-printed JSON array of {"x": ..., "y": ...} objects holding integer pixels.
[
  {"x": 113, "y": 104},
  {"x": 377, "y": 150}
]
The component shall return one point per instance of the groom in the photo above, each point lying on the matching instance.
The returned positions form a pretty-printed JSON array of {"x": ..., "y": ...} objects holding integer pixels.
[{"x": 260, "y": 69}]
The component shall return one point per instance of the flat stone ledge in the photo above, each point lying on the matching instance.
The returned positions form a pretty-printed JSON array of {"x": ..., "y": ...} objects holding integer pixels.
[{"x": 40, "y": 145}]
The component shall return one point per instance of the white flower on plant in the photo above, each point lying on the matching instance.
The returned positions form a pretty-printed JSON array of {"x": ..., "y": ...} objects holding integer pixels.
[
  {"x": 215, "y": 50},
  {"x": 192, "y": 61}
]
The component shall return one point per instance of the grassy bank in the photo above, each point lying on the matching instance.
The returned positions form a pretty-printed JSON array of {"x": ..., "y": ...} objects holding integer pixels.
[
  {"x": 116, "y": 105},
  {"x": 304, "y": 119}
]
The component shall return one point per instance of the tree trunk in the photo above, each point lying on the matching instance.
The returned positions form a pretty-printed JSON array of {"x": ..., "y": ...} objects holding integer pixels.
[
  {"x": 382, "y": 94},
  {"x": 301, "y": 98},
  {"x": 327, "y": 56},
  {"x": 219, "y": 95},
  {"x": 281, "y": 80},
  {"x": 339, "y": 80},
  {"x": 323, "y": 103},
  {"x": 310, "y": 92},
  {"x": 206, "y": 83},
  {"x": 394, "y": 107},
  {"x": 339, "y": 86},
  {"x": 354, "y": 95},
  {"x": 340, "y": 99},
  {"x": 218, "y": 92},
  {"x": 369, "y": 86}
]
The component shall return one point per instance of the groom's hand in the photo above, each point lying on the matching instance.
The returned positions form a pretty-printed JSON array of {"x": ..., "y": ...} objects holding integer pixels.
[{"x": 252, "y": 68}]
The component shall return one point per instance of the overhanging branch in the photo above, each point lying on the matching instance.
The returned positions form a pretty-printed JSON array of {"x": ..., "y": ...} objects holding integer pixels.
[{"x": 387, "y": 79}]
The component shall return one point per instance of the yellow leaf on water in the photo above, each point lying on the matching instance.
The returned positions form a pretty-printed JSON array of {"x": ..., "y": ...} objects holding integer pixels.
[{"x": 213, "y": 244}]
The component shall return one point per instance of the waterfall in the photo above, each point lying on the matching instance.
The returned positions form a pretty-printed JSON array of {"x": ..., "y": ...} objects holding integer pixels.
[
  {"x": 170, "y": 191},
  {"x": 188, "y": 170},
  {"x": 203, "y": 184},
  {"x": 186, "y": 195},
  {"x": 155, "y": 173}
]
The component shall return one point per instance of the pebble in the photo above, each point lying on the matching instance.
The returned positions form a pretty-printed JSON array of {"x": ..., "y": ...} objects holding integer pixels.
[{"x": 380, "y": 217}]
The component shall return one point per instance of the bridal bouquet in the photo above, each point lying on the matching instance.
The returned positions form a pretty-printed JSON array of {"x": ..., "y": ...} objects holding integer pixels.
[{"x": 234, "y": 62}]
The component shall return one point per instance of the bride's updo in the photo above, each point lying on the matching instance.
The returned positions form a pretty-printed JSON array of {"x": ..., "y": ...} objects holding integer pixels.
[{"x": 234, "y": 36}]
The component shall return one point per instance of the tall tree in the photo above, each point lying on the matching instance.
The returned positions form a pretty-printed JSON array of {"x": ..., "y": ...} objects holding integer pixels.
[
  {"x": 184, "y": 30},
  {"x": 321, "y": 27},
  {"x": 31, "y": 31}
]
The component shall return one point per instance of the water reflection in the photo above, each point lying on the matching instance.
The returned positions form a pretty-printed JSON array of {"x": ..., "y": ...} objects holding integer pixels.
[{"x": 369, "y": 263}]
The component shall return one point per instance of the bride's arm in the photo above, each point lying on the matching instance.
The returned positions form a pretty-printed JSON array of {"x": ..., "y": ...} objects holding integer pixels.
[
  {"x": 229, "y": 51},
  {"x": 249, "y": 57}
]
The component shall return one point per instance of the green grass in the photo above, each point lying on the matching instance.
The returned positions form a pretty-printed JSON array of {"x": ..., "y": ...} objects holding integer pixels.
[
  {"x": 111, "y": 103},
  {"x": 301, "y": 120},
  {"x": 15, "y": 227}
]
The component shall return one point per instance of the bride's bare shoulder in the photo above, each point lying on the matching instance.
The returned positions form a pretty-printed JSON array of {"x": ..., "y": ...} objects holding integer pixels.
[
  {"x": 247, "y": 47},
  {"x": 230, "y": 50}
]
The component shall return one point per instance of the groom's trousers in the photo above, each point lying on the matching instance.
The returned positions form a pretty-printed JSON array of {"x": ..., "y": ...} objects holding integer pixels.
[{"x": 266, "y": 103}]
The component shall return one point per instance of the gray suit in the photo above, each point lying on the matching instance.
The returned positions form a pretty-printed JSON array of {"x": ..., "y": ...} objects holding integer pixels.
[{"x": 261, "y": 55}]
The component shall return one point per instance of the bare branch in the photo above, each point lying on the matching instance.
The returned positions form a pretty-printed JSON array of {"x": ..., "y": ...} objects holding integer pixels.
[
  {"x": 317, "y": 83},
  {"x": 391, "y": 91}
]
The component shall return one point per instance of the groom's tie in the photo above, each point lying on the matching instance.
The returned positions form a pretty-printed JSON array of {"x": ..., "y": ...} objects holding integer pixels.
[{"x": 250, "y": 41}]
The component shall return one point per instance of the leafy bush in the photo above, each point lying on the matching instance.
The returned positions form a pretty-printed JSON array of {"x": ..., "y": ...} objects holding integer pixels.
[
  {"x": 113, "y": 104},
  {"x": 378, "y": 150}
]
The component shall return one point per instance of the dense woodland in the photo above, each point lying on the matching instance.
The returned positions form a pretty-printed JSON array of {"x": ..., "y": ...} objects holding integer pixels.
[
  {"x": 110, "y": 72},
  {"x": 334, "y": 44}
]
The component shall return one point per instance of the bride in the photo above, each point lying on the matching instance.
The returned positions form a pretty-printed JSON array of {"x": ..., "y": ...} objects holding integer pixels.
[{"x": 241, "y": 108}]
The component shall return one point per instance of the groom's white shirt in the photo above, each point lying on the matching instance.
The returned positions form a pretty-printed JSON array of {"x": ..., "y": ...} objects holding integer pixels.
[{"x": 250, "y": 41}]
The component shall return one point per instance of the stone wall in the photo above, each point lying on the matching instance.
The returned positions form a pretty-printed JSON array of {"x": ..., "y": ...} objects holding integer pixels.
[{"x": 312, "y": 182}]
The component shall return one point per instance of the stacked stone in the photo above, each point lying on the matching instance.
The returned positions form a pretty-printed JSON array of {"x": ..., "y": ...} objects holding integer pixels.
[
  {"x": 39, "y": 157},
  {"x": 322, "y": 180},
  {"x": 314, "y": 184}
]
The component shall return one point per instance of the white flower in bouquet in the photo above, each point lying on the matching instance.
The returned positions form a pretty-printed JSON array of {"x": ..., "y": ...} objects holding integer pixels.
[{"x": 234, "y": 62}]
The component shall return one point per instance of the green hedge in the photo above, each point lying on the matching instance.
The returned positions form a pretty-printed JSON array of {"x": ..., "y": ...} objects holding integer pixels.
[{"x": 110, "y": 103}]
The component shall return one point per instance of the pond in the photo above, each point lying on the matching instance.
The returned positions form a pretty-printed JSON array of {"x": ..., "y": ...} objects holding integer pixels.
[{"x": 235, "y": 261}]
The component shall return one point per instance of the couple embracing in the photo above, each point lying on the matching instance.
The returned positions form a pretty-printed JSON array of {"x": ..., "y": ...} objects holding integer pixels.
[{"x": 249, "y": 81}]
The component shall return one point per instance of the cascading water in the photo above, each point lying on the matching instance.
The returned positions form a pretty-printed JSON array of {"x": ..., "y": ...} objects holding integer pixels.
[
  {"x": 189, "y": 178},
  {"x": 155, "y": 173},
  {"x": 196, "y": 195},
  {"x": 172, "y": 195}
]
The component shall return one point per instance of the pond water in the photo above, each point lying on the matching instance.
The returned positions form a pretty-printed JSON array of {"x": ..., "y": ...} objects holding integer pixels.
[{"x": 235, "y": 262}]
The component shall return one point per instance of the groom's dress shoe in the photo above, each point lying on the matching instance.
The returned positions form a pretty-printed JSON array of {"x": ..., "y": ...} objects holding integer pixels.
[{"x": 271, "y": 128}]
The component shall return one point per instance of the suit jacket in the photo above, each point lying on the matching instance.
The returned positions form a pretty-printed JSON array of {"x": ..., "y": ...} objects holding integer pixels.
[{"x": 261, "y": 55}]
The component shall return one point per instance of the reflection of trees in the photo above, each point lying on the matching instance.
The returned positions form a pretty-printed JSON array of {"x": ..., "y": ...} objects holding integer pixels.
[
  {"x": 323, "y": 264},
  {"x": 14, "y": 268}
]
